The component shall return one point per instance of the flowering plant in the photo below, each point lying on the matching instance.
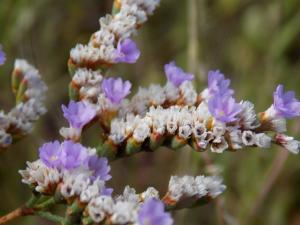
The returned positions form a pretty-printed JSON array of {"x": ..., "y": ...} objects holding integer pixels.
[{"x": 173, "y": 115}]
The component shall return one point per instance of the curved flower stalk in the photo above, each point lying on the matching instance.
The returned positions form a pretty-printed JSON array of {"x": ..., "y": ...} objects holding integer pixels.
[{"x": 29, "y": 91}]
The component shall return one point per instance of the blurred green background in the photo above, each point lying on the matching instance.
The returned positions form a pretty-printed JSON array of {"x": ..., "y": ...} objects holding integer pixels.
[{"x": 254, "y": 42}]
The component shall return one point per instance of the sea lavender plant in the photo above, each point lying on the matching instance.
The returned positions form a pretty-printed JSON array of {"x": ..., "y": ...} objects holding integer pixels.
[{"x": 173, "y": 116}]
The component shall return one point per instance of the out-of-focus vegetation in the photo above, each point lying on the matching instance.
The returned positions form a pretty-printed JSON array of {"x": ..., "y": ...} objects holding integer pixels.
[{"x": 254, "y": 42}]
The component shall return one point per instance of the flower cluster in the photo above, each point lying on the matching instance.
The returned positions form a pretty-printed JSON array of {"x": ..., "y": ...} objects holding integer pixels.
[
  {"x": 76, "y": 175},
  {"x": 177, "y": 91},
  {"x": 213, "y": 121},
  {"x": 102, "y": 94},
  {"x": 30, "y": 91},
  {"x": 112, "y": 43},
  {"x": 186, "y": 191},
  {"x": 70, "y": 169},
  {"x": 129, "y": 208}
]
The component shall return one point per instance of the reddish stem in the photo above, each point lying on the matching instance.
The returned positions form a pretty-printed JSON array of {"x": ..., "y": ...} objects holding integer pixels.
[{"x": 21, "y": 211}]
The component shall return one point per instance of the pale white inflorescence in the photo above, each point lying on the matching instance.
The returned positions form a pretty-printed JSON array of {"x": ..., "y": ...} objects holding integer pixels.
[
  {"x": 191, "y": 122},
  {"x": 100, "y": 205},
  {"x": 200, "y": 186},
  {"x": 124, "y": 208},
  {"x": 157, "y": 95},
  {"x": 20, "y": 119},
  {"x": 102, "y": 46}
]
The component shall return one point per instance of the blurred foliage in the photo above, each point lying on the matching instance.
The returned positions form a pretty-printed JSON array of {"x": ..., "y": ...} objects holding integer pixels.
[{"x": 254, "y": 42}]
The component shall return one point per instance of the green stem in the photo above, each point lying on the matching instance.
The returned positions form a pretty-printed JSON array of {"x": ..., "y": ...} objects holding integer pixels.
[
  {"x": 33, "y": 199},
  {"x": 45, "y": 204},
  {"x": 50, "y": 216}
]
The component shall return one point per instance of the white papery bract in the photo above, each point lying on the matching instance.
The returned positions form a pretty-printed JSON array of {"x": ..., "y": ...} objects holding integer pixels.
[{"x": 187, "y": 186}]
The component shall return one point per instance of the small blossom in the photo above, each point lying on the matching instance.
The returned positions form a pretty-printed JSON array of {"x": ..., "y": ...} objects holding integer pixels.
[
  {"x": 2, "y": 56},
  {"x": 235, "y": 139},
  {"x": 247, "y": 117},
  {"x": 152, "y": 212},
  {"x": 115, "y": 89},
  {"x": 285, "y": 104},
  {"x": 224, "y": 108},
  {"x": 70, "y": 133},
  {"x": 219, "y": 145},
  {"x": 100, "y": 168},
  {"x": 150, "y": 193},
  {"x": 214, "y": 186},
  {"x": 176, "y": 75},
  {"x": 288, "y": 143},
  {"x": 73, "y": 155},
  {"x": 248, "y": 138},
  {"x": 50, "y": 154},
  {"x": 78, "y": 113},
  {"x": 217, "y": 84},
  {"x": 123, "y": 213},
  {"x": 262, "y": 140},
  {"x": 127, "y": 51}
]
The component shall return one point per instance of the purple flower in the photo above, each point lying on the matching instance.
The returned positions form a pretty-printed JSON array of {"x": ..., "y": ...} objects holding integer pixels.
[
  {"x": 74, "y": 155},
  {"x": 78, "y": 113},
  {"x": 153, "y": 212},
  {"x": 51, "y": 154},
  {"x": 217, "y": 84},
  {"x": 127, "y": 51},
  {"x": 2, "y": 56},
  {"x": 176, "y": 75},
  {"x": 224, "y": 108},
  {"x": 107, "y": 191},
  {"x": 115, "y": 89},
  {"x": 100, "y": 168},
  {"x": 285, "y": 104}
]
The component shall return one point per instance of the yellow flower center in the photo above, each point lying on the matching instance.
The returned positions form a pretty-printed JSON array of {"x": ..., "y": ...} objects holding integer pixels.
[{"x": 53, "y": 158}]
